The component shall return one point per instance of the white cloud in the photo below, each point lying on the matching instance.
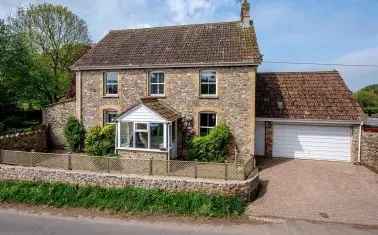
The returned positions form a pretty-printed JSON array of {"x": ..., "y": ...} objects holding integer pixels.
[{"x": 187, "y": 10}]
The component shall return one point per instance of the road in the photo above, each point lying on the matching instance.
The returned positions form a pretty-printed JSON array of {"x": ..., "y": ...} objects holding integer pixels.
[{"x": 20, "y": 223}]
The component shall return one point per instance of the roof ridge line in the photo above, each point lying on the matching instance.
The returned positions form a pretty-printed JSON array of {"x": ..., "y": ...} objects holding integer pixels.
[
  {"x": 299, "y": 72},
  {"x": 175, "y": 26}
]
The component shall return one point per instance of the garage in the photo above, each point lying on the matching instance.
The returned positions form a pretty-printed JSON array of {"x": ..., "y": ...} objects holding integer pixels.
[{"x": 312, "y": 142}]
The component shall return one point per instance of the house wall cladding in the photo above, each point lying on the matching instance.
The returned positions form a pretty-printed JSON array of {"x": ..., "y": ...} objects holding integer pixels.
[
  {"x": 234, "y": 105},
  {"x": 26, "y": 141},
  {"x": 245, "y": 189},
  {"x": 369, "y": 149},
  {"x": 56, "y": 117}
]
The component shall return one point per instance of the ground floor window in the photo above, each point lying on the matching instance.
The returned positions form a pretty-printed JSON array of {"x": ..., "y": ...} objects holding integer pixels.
[
  {"x": 110, "y": 117},
  {"x": 207, "y": 122},
  {"x": 142, "y": 135}
]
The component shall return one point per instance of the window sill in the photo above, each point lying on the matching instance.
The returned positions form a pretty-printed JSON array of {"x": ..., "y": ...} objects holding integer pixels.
[
  {"x": 209, "y": 97},
  {"x": 111, "y": 96},
  {"x": 143, "y": 150},
  {"x": 157, "y": 96}
]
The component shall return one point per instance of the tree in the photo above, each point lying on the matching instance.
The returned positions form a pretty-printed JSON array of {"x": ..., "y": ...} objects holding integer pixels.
[
  {"x": 15, "y": 61},
  {"x": 368, "y": 98},
  {"x": 58, "y": 35}
]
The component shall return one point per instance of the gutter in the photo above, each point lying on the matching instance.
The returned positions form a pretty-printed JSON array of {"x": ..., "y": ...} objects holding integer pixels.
[
  {"x": 309, "y": 121},
  {"x": 154, "y": 66}
]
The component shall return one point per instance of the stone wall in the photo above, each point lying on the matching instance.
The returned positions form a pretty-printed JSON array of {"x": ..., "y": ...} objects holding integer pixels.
[
  {"x": 369, "y": 149},
  {"x": 235, "y": 103},
  {"x": 143, "y": 154},
  {"x": 35, "y": 140},
  {"x": 245, "y": 189},
  {"x": 55, "y": 117}
]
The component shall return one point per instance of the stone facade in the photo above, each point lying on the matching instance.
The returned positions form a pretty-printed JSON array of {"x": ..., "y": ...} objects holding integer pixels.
[
  {"x": 26, "y": 141},
  {"x": 369, "y": 149},
  {"x": 268, "y": 139},
  {"x": 56, "y": 117},
  {"x": 234, "y": 104},
  {"x": 245, "y": 189},
  {"x": 355, "y": 140}
]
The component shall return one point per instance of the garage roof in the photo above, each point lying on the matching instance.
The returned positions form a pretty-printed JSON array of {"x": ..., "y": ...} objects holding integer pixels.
[{"x": 305, "y": 95}]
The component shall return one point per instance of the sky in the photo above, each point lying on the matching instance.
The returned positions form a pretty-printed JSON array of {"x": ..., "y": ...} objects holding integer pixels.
[{"x": 322, "y": 31}]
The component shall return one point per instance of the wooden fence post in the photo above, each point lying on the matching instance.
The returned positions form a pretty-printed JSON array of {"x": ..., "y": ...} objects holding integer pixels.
[
  {"x": 31, "y": 159},
  {"x": 196, "y": 169},
  {"x": 151, "y": 170},
  {"x": 225, "y": 171},
  {"x": 69, "y": 167},
  {"x": 1, "y": 156},
  {"x": 108, "y": 164}
]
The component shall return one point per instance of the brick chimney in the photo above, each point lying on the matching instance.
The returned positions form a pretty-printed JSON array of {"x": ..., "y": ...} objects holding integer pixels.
[{"x": 244, "y": 15}]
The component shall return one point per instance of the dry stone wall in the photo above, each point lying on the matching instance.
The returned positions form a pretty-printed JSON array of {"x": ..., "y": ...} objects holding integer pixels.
[
  {"x": 369, "y": 149},
  {"x": 56, "y": 117},
  {"x": 245, "y": 189},
  {"x": 35, "y": 140}
]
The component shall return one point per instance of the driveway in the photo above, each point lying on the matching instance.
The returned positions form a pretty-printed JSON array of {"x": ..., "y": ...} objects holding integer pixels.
[{"x": 317, "y": 190}]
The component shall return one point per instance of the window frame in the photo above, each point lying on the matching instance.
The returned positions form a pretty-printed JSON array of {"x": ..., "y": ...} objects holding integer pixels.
[
  {"x": 104, "y": 116},
  {"x": 206, "y": 127},
  {"x": 150, "y": 83},
  {"x": 148, "y": 131},
  {"x": 208, "y": 83},
  {"x": 105, "y": 84}
]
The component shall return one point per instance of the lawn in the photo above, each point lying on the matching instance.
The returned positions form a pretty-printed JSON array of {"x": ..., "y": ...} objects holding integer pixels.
[{"x": 125, "y": 200}]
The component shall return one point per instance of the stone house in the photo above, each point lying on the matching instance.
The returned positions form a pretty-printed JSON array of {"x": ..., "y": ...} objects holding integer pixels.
[{"x": 158, "y": 84}]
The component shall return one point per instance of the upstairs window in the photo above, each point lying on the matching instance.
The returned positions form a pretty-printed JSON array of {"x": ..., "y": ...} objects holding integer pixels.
[
  {"x": 156, "y": 84},
  {"x": 208, "y": 83},
  {"x": 207, "y": 122},
  {"x": 110, "y": 83},
  {"x": 110, "y": 117}
]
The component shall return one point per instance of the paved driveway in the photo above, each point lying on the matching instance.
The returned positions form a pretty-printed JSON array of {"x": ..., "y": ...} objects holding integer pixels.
[{"x": 317, "y": 190}]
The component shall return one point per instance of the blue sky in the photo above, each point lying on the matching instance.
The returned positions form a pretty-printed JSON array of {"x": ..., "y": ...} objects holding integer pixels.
[{"x": 325, "y": 31}]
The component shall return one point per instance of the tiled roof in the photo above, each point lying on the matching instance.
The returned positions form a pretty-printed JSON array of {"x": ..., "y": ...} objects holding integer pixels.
[
  {"x": 201, "y": 44},
  {"x": 162, "y": 109},
  {"x": 305, "y": 95}
]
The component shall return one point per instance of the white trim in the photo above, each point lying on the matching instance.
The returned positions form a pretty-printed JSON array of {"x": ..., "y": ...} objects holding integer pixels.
[
  {"x": 216, "y": 84},
  {"x": 143, "y": 150},
  {"x": 308, "y": 121},
  {"x": 116, "y": 67},
  {"x": 104, "y": 84},
  {"x": 138, "y": 106},
  {"x": 199, "y": 121},
  {"x": 159, "y": 83}
]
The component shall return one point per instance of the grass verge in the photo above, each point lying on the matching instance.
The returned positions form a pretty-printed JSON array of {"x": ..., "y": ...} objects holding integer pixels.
[{"x": 125, "y": 200}]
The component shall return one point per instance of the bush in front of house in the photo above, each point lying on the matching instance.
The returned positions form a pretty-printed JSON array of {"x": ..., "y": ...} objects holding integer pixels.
[
  {"x": 121, "y": 200},
  {"x": 74, "y": 132},
  {"x": 211, "y": 148},
  {"x": 100, "y": 141}
]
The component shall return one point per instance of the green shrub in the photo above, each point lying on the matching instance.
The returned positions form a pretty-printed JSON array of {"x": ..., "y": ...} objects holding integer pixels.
[
  {"x": 129, "y": 199},
  {"x": 211, "y": 148},
  {"x": 74, "y": 132},
  {"x": 100, "y": 141}
]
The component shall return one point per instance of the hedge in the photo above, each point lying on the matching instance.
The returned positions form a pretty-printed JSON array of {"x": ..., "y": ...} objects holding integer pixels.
[{"x": 129, "y": 199}]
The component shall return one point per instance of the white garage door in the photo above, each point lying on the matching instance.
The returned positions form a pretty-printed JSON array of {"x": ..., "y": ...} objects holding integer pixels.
[
  {"x": 260, "y": 139},
  {"x": 312, "y": 142}
]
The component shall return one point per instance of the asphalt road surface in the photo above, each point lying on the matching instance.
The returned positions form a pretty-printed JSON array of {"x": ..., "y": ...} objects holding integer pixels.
[{"x": 20, "y": 223}]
